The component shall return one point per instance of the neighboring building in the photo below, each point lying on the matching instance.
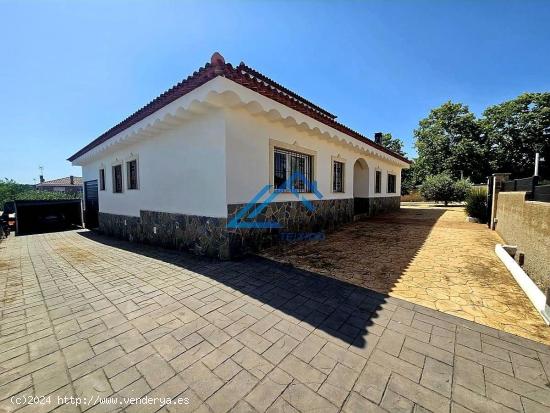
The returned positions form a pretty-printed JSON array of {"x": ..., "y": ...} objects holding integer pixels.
[
  {"x": 69, "y": 184},
  {"x": 179, "y": 169}
]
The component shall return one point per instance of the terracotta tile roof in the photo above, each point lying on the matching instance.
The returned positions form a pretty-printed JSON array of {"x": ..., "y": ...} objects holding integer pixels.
[
  {"x": 77, "y": 181},
  {"x": 247, "y": 77}
]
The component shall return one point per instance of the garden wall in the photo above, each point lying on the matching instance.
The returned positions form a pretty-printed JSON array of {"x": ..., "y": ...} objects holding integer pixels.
[{"x": 527, "y": 225}]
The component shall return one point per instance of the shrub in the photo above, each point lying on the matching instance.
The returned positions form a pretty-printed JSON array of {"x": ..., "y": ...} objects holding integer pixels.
[
  {"x": 442, "y": 188},
  {"x": 476, "y": 204},
  {"x": 34, "y": 194},
  {"x": 413, "y": 196},
  {"x": 11, "y": 190},
  {"x": 461, "y": 189}
]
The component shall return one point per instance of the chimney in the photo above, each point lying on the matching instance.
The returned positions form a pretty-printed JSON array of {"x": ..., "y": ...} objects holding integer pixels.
[
  {"x": 72, "y": 179},
  {"x": 41, "y": 178},
  {"x": 218, "y": 62},
  {"x": 378, "y": 138}
]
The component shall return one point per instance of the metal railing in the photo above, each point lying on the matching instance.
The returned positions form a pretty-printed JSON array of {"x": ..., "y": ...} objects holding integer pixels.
[{"x": 532, "y": 185}]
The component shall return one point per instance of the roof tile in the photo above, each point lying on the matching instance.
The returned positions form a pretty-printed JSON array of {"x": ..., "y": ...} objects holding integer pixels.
[
  {"x": 77, "y": 181},
  {"x": 247, "y": 77}
]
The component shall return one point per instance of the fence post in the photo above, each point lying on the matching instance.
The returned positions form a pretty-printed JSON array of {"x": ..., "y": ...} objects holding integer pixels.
[
  {"x": 498, "y": 179},
  {"x": 489, "y": 199},
  {"x": 534, "y": 184}
]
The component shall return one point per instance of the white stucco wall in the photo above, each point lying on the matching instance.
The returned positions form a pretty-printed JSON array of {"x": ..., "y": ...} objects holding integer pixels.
[
  {"x": 212, "y": 147},
  {"x": 181, "y": 170},
  {"x": 248, "y": 159},
  {"x": 361, "y": 178}
]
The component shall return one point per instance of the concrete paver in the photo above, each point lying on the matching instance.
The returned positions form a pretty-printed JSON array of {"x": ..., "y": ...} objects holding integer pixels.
[
  {"x": 428, "y": 256},
  {"x": 86, "y": 315}
]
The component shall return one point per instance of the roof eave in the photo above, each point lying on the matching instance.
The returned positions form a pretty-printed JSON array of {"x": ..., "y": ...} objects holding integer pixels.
[{"x": 246, "y": 77}]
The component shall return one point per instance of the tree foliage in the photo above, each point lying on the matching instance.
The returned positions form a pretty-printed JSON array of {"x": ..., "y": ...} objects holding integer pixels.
[
  {"x": 449, "y": 141},
  {"x": 410, "y": 179},
  {"x": 34, "y": 194},
  {"x": 443, "y": 188},
  {"x": 515, "y": 131},
  {"x": 11, "y": 191},
  {"x": 505, "y": 139},
  {"x": 393, "y": 144}
]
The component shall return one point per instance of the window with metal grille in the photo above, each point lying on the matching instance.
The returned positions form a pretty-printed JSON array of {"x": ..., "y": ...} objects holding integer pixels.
[
  {"x": 286, "y": 164},
  {"x": 378, "y": 182},
  {"x": 117, "y": 178},
  {"x": 132, "y": 176},
  {"x": 337, "y": 176},
  {"x": 391, "y": 184},
  {"x": 102, "y": 179}
]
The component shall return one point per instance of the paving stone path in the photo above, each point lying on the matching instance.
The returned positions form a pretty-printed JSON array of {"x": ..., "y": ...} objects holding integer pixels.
[
  {"x": 83, "y": 315},
  {"x": 429, "y": 256}
]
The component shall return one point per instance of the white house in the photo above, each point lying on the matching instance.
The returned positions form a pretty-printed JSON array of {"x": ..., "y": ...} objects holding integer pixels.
[{"x": 178, "y": 170}]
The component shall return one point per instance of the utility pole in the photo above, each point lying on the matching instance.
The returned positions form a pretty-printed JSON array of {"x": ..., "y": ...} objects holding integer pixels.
[{"x": 537, "y": 159}]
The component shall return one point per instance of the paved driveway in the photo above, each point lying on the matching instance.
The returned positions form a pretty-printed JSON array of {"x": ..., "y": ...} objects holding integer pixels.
[
  {"x": 85, "y": 316},
  {"x": 428, "y": 256}
]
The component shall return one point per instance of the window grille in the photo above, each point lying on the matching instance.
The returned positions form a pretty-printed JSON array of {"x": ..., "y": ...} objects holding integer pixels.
[
  {"x": 102, "y": 179},
  {"x": 338, "y": 176},
  {"x": 378, "y": 182},
  {"x": 286, "y": 164},
  {"x": 117, "y": 178},
  {"x": 391, "y": 184},
  {"x": 132, "y": 177}
]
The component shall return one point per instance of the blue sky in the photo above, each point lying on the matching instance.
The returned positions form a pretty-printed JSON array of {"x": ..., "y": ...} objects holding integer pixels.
[{"x": 69, "y": 70}]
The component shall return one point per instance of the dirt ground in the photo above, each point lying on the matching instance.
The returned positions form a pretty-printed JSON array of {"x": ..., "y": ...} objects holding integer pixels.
[{"x": 429, "y": 256}]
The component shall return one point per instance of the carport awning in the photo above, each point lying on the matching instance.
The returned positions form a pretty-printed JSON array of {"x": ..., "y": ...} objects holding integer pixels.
[{"x": 32, "y": 216}]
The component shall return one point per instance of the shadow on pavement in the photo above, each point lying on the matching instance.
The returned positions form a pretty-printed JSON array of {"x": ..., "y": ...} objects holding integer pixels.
[
  {"x": 337, "y": 308},
  {"x": 373, "y": 253}
]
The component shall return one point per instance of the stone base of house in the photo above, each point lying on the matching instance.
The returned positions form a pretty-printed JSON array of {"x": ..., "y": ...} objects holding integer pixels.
[
  {"x": 212, "y": 237},
  {"x": 198, "y": 234},
  {"x": 368, "y": 207},
  {"x": 293, "y": 217}
]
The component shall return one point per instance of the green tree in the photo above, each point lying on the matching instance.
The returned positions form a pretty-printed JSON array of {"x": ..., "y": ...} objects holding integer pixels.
[
  {"x": 9, "y": 190},
  {"x": 515, "y": 131},
  {"x": 449, "y": 141},
  {"x": 393, "y": 144},
  {"x": 396, "y": 145},
  {"x": 409, "y": 179},
  {"x": 443, "y": 188}
]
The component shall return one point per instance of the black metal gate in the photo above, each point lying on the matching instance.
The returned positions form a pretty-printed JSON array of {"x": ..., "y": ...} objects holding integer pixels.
[{"x": 91, "y": 204}]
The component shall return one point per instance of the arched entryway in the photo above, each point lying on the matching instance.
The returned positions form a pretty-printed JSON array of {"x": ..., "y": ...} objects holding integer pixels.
[{"x": 360, "y": 187}]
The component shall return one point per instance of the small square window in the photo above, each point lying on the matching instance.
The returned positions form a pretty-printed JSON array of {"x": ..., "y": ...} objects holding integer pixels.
[
  {"x": 391, "y": 184},
  {"x": 378, "y": 182},
  {"x": 117, "y": 179},
  {"x": 337, "y": 176},
  {"x": 132, "y": 174},
  {"x": 102, "y": 179}
]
